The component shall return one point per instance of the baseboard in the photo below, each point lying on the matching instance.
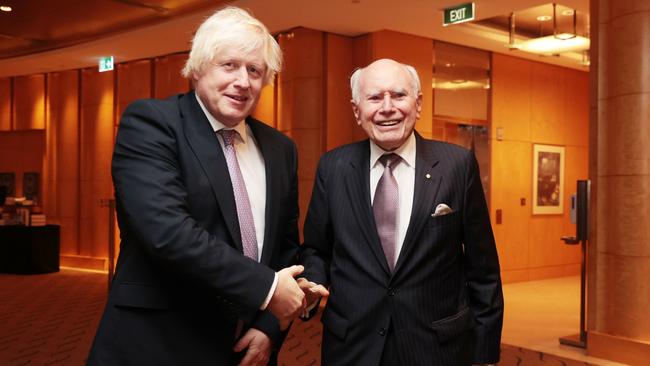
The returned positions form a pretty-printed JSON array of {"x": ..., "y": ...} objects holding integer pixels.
[
  {"x": 540, "y": 273},
  {"x": 619, "y": 349},
  {"x": 83, "y": 262}
]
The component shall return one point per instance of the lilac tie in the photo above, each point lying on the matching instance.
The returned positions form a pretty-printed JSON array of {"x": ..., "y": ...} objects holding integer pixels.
[
  {"x": 244, "y": 212},
  {"x": 385, "y": 207}
]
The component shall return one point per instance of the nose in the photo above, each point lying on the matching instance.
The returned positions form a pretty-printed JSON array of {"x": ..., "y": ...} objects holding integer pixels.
[
  {"x": 387, "y": 104},
  {"x": 242, "y": 79}
]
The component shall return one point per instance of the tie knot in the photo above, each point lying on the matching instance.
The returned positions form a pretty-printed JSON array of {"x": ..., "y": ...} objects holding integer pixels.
[
  {"x": 389, "y": 160},
  {"x": 228, "y": 136}
]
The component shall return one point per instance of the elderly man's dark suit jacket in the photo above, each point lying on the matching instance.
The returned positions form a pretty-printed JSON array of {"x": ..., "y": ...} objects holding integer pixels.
[
  {"x": 443, "y": 302},
  {"x": 182, "y": 280}
]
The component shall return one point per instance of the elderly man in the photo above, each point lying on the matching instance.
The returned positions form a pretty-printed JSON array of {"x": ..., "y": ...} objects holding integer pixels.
[
  {"x": 399, "y": 229},
  {"x": 207, "y": 207}
]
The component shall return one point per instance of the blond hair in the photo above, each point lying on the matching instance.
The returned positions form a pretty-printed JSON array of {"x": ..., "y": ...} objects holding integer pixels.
[{"x": 233, "y": 29}]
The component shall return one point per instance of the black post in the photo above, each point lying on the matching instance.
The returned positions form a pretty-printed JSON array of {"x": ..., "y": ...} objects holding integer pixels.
[{"x": 582, "y": 236}]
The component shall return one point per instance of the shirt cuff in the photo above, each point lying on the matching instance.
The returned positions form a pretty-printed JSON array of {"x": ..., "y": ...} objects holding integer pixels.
[{"x": 270, "y": 294}]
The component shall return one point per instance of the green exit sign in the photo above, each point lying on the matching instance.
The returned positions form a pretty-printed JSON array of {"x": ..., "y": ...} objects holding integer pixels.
[
  {"x": 459, "y": 14},
  {"x": 106, "y": 64}
]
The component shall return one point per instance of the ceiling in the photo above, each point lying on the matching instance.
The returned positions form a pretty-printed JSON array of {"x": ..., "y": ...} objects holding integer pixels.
[
  {"x": 43, "y": 25},
  {"x": 43, "y": 36}
]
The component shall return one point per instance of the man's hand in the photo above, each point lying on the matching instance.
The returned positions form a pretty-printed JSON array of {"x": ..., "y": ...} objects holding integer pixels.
[
  {"x": 258, "y": 347},
  {"x": 288, "y": 300},
  {"x": 313, "y": 292}
]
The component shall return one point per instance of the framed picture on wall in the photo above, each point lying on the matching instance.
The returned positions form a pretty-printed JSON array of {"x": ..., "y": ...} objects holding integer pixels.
[
  {"x": 548, "y": 179},
  {"x": 8, "y": 180},
  {"x": 30, "y": 186}
]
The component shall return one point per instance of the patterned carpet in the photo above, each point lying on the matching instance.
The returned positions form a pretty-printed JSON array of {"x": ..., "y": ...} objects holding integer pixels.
[{"x": 51, "y": 320}]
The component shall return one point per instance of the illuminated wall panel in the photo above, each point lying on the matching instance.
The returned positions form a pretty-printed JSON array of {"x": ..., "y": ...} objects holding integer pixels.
[
  {"x": 62, "y": 157},
  {"x": 29, "y": 102},
  {"x": 168, "y": 78},
  {"x": 5, "y": 104},
  {"x": 96, "y": 147}
]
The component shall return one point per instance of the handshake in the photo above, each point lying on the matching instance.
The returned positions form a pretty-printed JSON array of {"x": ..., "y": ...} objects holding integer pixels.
[{"x": 292, "y": 297}]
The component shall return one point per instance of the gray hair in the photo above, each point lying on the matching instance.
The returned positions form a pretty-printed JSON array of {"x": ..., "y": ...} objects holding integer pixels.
[
  {"x": 232, "y": 28},
  {"x": 356, "y": 75}
]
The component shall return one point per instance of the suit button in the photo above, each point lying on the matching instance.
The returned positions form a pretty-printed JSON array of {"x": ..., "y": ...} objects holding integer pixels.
[
  {"x": 391, "y": 291},
  {"x": 382, "y": 331}
]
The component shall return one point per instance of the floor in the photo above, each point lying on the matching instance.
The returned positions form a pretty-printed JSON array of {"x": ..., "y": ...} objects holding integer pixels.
[
  {"x": 538, "y": 313},
  {"x": 51, "y": 319}
]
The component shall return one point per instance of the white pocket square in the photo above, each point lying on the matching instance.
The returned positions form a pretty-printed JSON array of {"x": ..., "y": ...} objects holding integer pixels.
[{"x": 442, "y": 209}]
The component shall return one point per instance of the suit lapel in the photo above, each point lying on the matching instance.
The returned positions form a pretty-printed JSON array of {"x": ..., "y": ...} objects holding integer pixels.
[
  {"x": 358, "y": 186},
  {"x": 271, "y": 161},
  {"x": 427, "y": 184},
  {"x": 205, "y": 145}
]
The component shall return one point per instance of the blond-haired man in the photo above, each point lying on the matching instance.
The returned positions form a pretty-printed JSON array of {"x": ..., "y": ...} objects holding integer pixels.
[{"x": 207, "y": 207}]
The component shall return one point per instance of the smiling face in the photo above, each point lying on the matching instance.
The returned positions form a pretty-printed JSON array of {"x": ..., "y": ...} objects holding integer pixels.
[
  {"x": 229, "y": 86},
  {"x": 388, "y": 105}
]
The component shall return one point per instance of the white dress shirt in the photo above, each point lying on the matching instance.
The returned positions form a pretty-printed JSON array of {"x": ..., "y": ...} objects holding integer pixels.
[
  {"x": 253, "y": 170},
  {"x": 404, "y": 173}
]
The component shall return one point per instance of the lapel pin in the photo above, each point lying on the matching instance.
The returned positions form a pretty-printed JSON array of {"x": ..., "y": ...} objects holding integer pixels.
[{"x": 428, "y": 176}]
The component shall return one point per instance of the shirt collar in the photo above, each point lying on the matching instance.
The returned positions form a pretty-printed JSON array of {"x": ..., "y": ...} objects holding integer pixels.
[
  {"x": 218, "y": 126},
  {"x": 406, "y": 152}
]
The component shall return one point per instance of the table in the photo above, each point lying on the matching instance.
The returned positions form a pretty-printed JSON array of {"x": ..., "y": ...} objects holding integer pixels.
[{"x": 29, "y": 249}]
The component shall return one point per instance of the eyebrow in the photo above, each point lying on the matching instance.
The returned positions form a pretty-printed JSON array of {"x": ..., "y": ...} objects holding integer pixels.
[{"x": 392, "y": 91}]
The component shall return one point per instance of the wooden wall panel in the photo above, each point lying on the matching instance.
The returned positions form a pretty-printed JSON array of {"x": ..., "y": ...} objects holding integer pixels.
[
  {"x": 29, "y": 102},
  {"x": 133, "y": 83},
  {"x": 5, "y": 104},
  {"x": 96, "y": 146},
  {"x": 265, "y": 109},
  {"x": 511, "y": 166},
  {"x": 62, "y": 157},
  {"x": 340, "y": 123},
  {"x": 547, "y": 104},
  {"x": 168, "y": 78},
  {"x": 417, "y": 52},
  {"x": 511, "y": 92},
  {"x": 529, "y": 104},
  {"x": 575, "y": 103},
  {"x": 300, "y": 103}
]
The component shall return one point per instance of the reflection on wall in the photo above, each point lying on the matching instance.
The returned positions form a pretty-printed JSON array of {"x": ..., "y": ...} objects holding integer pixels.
[
  {"x": 474, "y": 138},
  {"x": 461, "y": 84}
]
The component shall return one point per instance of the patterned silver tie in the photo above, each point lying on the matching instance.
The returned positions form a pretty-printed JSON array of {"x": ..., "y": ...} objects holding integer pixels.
[
  {"x": 244, "y": 212},
  {"x": 385, "y": 207}
]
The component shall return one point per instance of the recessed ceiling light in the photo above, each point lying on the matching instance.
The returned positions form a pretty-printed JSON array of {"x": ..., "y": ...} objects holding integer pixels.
[
  {"x": 544, "y": 18},
  {"x": 567, "y": 12},
  {"x": 5, "y": 8}
]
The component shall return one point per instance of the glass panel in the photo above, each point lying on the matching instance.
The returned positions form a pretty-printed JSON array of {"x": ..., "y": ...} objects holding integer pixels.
[{"x": 461, "y": 87}]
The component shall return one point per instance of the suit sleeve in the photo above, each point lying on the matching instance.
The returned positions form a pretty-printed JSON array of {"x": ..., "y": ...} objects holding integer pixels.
[
  {"x": 316, "y": 251},
  {"x": 482, "y": 269},
  {"x": 153, "y": 208},
  {"x": 267, "y": 322}
]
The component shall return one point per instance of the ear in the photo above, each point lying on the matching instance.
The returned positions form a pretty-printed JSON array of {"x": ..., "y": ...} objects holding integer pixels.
[
  {"x": 355, "y": 110},
  {"x": 418, "y": 105},
  {"x": 195, "y": 76}
]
